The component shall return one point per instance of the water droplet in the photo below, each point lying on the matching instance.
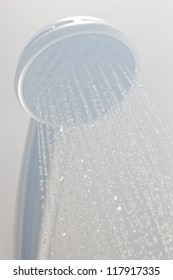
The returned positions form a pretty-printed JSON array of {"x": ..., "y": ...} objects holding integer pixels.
[
  {"x": 41, "y": 182},
  {"x": 61, "y": 178}
]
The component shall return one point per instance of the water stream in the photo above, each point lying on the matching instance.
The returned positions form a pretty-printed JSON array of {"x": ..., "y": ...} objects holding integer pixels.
[{"x": 105, "y": 167}]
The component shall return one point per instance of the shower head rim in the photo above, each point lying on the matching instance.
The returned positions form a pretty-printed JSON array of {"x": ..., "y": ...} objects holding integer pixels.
[{"x": 60, "y": 30}]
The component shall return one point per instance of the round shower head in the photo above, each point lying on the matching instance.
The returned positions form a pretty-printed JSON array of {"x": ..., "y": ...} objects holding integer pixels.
[{"x": 70, "y": 63}]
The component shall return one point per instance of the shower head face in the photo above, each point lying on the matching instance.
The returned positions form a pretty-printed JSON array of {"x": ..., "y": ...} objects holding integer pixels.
[{"x": 72, "y": 71}]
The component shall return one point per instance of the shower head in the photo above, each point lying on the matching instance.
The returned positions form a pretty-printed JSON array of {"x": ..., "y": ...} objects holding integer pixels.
[{"x": 70, "y": 63}]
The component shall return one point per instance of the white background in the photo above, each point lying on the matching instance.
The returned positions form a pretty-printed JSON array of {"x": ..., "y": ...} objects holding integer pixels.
[{"x": 165, "y": 268}]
